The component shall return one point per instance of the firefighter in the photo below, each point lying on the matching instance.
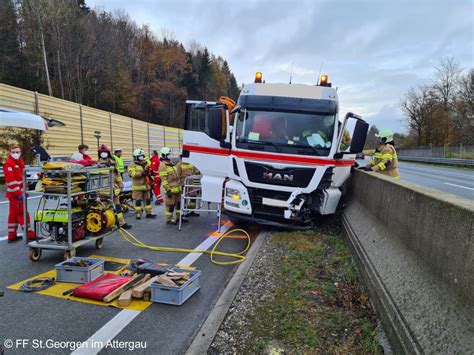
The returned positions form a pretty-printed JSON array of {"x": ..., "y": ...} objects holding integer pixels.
[
  {"x": 13, "y": 169},
  {"x": 155, "y": 165},
  {"x": 171, "y": 186},
  {"x": 385, "y": 159},
  {"x": 105, "y": 159},
  {"x": 346, "y": 137},
  {"x": 186, "y": 170},
  {"x": 142, "y": 176}
]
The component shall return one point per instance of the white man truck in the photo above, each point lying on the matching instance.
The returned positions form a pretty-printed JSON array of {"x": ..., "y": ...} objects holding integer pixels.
[{"x": 277, "y": 157}]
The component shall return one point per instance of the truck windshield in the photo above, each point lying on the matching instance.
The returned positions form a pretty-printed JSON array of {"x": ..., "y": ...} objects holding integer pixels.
[{"x": 286, "y": 132}]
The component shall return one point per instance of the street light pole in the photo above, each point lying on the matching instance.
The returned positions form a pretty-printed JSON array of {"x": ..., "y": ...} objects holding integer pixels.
[{"x": 97, "y": 135}]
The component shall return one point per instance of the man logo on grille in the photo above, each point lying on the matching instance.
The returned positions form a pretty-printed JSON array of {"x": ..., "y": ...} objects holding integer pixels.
[{"x": 281, "y": 177}]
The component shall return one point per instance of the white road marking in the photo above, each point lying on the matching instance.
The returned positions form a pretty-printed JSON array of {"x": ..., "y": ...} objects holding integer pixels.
[
  {"x": 431, "y": 171},
  {"x": 112, "y": 328},
  {"x": 462, "y": 187},
  {"x": 29, "y": 198},
  {"x": 3, "y": 238}
]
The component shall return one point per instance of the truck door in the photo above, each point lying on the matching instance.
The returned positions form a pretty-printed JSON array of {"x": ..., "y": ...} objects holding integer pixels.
[{"x": 206, "y": 144}]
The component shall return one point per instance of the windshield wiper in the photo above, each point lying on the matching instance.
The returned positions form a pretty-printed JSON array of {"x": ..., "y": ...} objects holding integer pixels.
[
  {"x": 304, "y": 146},
  {"x": 244, "y": 140}
]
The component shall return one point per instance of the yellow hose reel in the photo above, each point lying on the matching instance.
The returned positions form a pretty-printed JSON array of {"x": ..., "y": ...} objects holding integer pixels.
[{"x": 97, "y": 221}]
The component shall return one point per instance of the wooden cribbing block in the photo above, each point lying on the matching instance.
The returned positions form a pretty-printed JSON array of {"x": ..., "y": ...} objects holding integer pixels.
[
  {"x": 125, "y": 298},
  {"x": 164, "y": 280},
  {"x": 178, "y": 275},
  {"x": 146, "y": 295},
  {"x": 136, "y": 280},
  {"x": 140, "y": 289}
]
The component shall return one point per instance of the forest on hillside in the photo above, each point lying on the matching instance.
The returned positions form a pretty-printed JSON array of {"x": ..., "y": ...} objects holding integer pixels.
[{"x": 65, "y": 49}]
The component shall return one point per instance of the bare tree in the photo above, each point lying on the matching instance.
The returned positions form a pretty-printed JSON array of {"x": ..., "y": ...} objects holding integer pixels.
[
  {"x": 36, "y": 9},
  {"x": 446, "y": 80}
]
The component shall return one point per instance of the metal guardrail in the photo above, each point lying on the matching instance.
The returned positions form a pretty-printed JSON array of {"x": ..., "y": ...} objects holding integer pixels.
[{"x": 447, "y": 161}]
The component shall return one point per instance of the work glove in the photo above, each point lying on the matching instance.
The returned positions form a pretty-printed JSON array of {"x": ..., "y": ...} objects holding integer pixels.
[
  {"x": 21, "y": 197},
  {"x": 368, "y": 168},
  {"x": 169, "y": 194}
]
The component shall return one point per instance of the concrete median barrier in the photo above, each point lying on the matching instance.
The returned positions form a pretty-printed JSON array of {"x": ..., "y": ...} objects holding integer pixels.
[{"x": 415, "y": 249}]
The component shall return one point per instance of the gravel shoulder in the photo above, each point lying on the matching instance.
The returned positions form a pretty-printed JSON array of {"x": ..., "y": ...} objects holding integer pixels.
[{"x": 301, "y": 295}]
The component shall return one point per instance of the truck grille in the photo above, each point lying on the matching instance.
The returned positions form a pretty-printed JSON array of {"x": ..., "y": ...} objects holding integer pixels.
[{"x": 267, "y": 174}]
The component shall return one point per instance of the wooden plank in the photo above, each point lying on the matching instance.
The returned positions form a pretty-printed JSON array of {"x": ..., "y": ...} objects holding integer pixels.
[
  {"x": 125, "y": 298},
  {"x": 116, "y": 293},
  {"x": 140, "y": 289}
]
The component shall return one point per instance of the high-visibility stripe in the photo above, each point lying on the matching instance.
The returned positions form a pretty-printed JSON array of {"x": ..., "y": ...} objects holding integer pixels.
[
  {"x": 381, "y": 166},
  {"x": 14, "y": 183},
  {"x": 295, "y": 159},
  {"x": 388, "y": 156},
  {"x": 13, "y": 189}
]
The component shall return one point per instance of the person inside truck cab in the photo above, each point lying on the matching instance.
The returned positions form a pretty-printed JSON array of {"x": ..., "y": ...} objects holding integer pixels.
[{"x": 320, "y": 136}]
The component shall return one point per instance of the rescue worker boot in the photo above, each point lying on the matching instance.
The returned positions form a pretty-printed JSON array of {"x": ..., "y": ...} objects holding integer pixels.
[
  {"x": 126, "y": 226},
  {"x": 151, "y": 215},
  {"x": 13, "y": 240},
  {"x": 192, "y": 214},
  {"x": 172, "y": 222},
  {"x": 138, "y": 210}
]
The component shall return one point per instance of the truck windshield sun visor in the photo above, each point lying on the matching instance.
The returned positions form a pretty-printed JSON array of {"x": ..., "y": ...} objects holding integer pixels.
[{"x": 289, "y": 104}]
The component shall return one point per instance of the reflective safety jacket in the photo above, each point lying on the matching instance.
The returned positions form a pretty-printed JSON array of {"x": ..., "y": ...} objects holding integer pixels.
[
  {"x": 120, "y": 165},
  {"x": 385, "y": 161},
  {"x": 186, "y": 170},
  {"x": 170, "y": 177},
  {"x": 13, "y": 170},
  {"x": 141, "y": 179},
  {"x": 346, "y": 139}
]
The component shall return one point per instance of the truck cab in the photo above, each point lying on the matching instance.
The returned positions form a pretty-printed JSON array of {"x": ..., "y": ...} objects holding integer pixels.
[{"x": 275, "y": 157}]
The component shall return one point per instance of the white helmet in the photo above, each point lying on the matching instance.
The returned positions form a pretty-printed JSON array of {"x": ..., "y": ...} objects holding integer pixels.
[
  {"x": 137, "y": 153},
  {"x": 165, "y": 152}
]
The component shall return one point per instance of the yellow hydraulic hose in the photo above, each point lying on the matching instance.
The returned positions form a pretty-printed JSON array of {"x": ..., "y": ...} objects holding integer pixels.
[{"x": 129, "y": 237}]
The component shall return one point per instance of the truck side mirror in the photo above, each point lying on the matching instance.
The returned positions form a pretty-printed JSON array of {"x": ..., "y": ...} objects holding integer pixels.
[{"x": 359, "y": 136}]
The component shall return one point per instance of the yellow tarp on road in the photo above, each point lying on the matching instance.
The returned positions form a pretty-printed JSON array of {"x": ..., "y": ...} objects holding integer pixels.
[{"x": 60, "y": 287}]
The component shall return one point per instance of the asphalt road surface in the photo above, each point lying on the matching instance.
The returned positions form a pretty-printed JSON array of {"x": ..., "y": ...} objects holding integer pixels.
[
  {"x": 165, "y": 329},
  {"x": 455, "y": 181}
]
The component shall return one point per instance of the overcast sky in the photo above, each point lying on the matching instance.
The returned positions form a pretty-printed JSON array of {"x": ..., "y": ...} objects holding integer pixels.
[{"x": 373, "y": 51}]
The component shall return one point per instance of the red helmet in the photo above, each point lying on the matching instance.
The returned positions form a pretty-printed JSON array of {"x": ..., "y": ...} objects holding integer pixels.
[{"x": 104, "y": 148}]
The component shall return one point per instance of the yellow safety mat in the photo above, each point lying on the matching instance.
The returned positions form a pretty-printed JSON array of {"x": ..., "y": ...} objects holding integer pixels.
[{"x": 60, "y": 287}]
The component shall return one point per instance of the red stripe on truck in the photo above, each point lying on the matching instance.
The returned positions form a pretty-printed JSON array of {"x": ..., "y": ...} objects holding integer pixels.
[{"x": 295, "y": 159}]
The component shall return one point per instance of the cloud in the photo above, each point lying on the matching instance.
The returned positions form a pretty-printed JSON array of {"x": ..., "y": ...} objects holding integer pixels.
[{"x": 373, "y": 50}]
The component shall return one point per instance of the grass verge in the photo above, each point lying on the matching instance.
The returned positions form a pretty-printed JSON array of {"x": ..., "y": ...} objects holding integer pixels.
[{"x": 319, "y": 306}]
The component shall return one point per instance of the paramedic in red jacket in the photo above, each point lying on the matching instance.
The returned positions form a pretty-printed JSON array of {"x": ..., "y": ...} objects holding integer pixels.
[
  {"x": 82, "y": 156},
  {"x": 13, "y": 168},
  {"x": 155, "y": 164}
]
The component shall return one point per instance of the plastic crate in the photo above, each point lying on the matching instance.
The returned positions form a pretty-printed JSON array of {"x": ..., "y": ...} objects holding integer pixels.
[
  {"x": 97, "y": 181},
  {"x": 78, "y": 274},
  {"x": 176, "y": 295}
]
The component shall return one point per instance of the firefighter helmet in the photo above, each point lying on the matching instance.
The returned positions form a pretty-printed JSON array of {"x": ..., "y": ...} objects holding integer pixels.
[
  {"x": 137, "y": 153},
  {"x": 104, "y": 148},
  {"x": 385, "y": 135},
  {"x": 165, "y": 152}
]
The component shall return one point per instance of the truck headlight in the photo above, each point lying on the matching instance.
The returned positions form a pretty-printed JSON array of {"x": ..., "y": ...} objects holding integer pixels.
[{"x": 233, "y": 194}]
